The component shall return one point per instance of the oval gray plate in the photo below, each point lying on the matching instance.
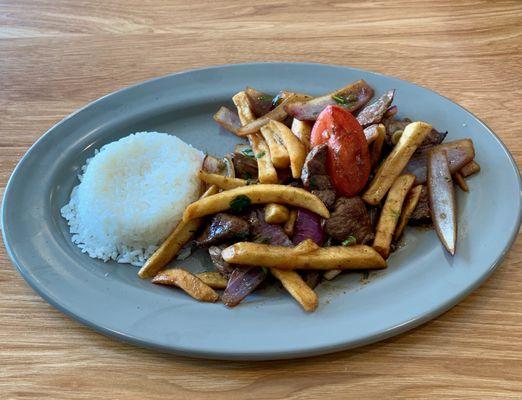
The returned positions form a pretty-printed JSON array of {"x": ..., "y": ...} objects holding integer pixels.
[{"x": 421, "y": 282}]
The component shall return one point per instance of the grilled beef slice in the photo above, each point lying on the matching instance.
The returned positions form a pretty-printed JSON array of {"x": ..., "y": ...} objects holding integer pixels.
[
  {"x": 223, "y": 227},
  {"x": 421, "y": 215},
  {"x": 245, "y": 167},
  {"x": 350, "y": 218}
]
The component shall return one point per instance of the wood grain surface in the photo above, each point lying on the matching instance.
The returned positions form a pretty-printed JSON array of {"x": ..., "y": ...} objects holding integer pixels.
[{"x": 56, "y": 56}]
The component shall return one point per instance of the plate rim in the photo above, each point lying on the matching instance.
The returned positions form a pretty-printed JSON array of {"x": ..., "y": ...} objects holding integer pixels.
[{"x": 296, "y": 353}]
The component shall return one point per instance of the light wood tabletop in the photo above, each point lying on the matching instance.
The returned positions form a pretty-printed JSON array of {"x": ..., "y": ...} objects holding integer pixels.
[{"x": 56, "y": 55}]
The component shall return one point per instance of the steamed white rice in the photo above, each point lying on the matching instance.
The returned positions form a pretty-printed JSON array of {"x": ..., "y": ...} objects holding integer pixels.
[{"x": 131, "y": 195}]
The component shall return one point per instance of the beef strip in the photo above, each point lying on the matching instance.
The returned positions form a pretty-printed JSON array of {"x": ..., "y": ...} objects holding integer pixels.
[
  {"x": 246, "y": 167},
  {"x": 421, "y": 215},
  {"x": 350, "y": 218},
  {"x": 373, "y": 113},
  {"x": 315, "y": 177},
  {"x": 221, "y": 265},
  {"x": 223, "y": 227}
]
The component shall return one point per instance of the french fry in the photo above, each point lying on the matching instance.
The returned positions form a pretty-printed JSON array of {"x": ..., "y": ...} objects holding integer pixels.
[
  {"x": 303, "y": 130},
  {"x": 278, "y": 114},
  {"x": 391, "y": 212},
  {"x": 376, "y": 147},
  {"x": 256, "y": 194},
  {"x": 305, "y": 247},
  {"x": 296, "y": 149},
  {"x": 391, "y": 168},
  {"x": 244, "y": 108},
  {"x": 470, "y": 168},
  {"x": 460, "y": 181},
  {"x": 297, "y": 288},
  {"x": 276, "y": 213},
  {"x": 183, "y": 232},
  {"x": 324, "y": 258},
  {"x": 278, "y": 152},
  {"x": 329, "y": 275},
  {"x": 213, "y": 279},
  {"x": 289, "y": 225},
  {"x": 266, "y": 171},
  {"x": 187, "y": 282},
  {"x": 409, "y": 206},
  {"x": 221, "y": 181}
]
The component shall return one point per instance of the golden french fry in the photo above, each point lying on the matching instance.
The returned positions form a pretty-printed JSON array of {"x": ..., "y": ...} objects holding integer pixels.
[
  {"x": 266, "y": 171},
  {"x": 324, "y": 258},
  {"x": 276, "y": 213},
  {"x": 470, "y": 168},
  {"x": 183, "y": 232},
  {"x": 303, "y": 130},
  {"x": 305, "y": 247},
  {"x": 460, "y": 181},
  {"x": 391, "y": 168},
  {"x": 391, "y": 212},
  {"x": 376, "y": 147},
  {"x": 289, "y": 225},
  {"x": 329, "y": 275},
  {"x": 297, "y": 288},
  {"x": 223, "y": 182},
  {"x": 278, "y": 152},
  {"x": 255, "y": 194},
  {"x": 409, "y": 206},
  {"x": 296, "y": 149},
  {"x": 214, "y": 279},
  {"x": 244, "y": 108},
  {"x": 189, "y": 283}
]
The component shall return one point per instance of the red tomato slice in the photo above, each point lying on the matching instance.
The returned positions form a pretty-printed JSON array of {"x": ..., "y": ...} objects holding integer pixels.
[{"x": 348, "y": 161}]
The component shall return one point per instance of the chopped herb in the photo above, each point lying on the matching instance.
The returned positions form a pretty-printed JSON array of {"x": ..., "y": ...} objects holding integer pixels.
[
  {"x": 248, "y": 152},
  {"x": 350, "y": 240},
  {"x": 351, "y": 98},
  {"x": 264, "y": 97},
  {"x": 339, "y": 99},
  {"x": 313, "y": 184},
  {"x": 239, "y": 203},
  {"x": 259, "y": 155}
]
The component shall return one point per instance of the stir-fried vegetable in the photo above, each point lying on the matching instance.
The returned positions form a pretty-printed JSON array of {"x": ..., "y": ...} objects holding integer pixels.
[
  {"x": 308, "y": 226},
  {"x": 442, "y": 199},
  {"x": 351, "y": 98},
  {"x": 348, "y": 159}
]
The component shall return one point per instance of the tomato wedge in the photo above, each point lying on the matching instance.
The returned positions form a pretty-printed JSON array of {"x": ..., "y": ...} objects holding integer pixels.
[{"x": 348, "y": 161}]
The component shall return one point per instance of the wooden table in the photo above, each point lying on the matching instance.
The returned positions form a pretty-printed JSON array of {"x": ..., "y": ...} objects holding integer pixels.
[{"x": 56, "y": 56}]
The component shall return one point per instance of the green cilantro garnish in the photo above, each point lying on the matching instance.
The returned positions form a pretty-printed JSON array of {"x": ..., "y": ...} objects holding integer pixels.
[
  {"x": 248, "y": 152},
  {"x": 339, "y": 99},
  {"x": 259, "y": 155},
  {"x": 351, "y": 98},
  {"x": 350, "y": 240},
  {"x": 239, "y": 203}
]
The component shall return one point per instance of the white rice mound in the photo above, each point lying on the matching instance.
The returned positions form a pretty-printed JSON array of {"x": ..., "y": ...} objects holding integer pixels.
[{"x": 131, "y": 196}]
